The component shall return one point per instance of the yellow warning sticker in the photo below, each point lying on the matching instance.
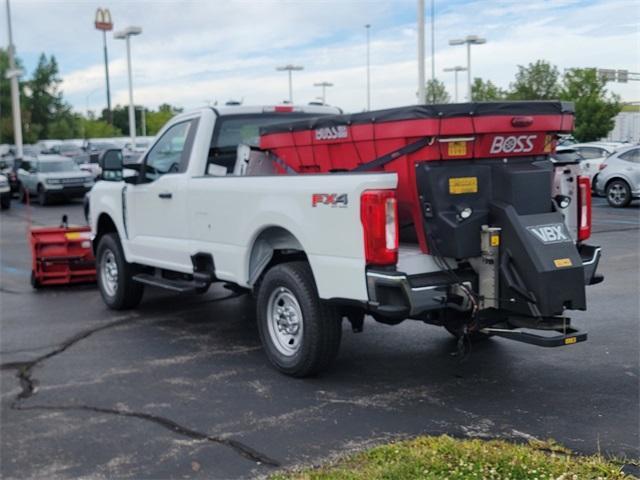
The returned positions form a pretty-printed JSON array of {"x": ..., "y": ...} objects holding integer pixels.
[
  {"x": 562, "y": 262},
  {"x": 463, "y": 185},
  {"x": 495, "y": 240},
  {"x": 548, "y": 143},
  {"x": 570, "y": 340},
  {"x": 457, "y": 149},
  {"x": 73, "y": 235}
]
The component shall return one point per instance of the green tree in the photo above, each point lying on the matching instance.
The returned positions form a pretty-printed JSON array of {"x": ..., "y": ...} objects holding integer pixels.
[
  {"x": 536, "y": 81},
  {"x": 486, "y": 91},
  {"x": 156, "y": 120},
  {"x": 93, "y": 128},
  {"x": 436, "y": 92},
  {"x": 595, "y": 108},
  {"x": 6, "y": 118}
]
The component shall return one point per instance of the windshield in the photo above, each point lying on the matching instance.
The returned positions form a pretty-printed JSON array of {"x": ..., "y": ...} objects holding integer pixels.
[
  {"x": 233, "y": 130},
  {"x": 61, "y": 166}
]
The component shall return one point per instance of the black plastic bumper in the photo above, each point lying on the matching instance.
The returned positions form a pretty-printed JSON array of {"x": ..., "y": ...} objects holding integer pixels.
[
  {"x": 559, "y": 338},
  {"x": 590, "y": 256}
]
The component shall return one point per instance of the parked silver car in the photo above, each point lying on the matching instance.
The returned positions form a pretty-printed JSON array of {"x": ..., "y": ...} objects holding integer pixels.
[
  {"x": 51, "y": 176},
  {"x": 619, "y": 177}
]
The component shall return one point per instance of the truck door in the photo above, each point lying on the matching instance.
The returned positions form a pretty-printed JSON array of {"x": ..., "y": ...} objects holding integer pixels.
[{"x": 157, "y": 207}]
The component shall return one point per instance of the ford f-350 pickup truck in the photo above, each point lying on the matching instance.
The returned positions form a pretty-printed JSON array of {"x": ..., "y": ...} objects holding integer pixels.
[{"x": 448, "y": 214}]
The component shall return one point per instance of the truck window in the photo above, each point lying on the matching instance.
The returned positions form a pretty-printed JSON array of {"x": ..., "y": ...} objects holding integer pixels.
[
  {"x": 232, "y": 130},
  {"x": 171, "y": 152}
]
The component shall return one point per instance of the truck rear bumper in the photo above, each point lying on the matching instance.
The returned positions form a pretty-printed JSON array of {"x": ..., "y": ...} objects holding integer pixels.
[{"x": 590, "y": 256}]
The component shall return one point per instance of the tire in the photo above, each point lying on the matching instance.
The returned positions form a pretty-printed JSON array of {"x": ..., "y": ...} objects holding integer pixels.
[
  {"x": 5, "y": 202},
  {"x": 121, "y": 292},
  {"x": 312, "y": 342},
  {"x": 43, "y": 199},
  {"x": 618, "y": 193},
  {"x": 34, "y": 282}
]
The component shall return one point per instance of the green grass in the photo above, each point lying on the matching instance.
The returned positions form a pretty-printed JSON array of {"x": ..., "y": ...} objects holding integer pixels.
[{"x": 447, "y": 458}]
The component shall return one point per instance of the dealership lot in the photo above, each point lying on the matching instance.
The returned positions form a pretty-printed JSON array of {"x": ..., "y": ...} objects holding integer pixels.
[{"x": 181, "y": 388}]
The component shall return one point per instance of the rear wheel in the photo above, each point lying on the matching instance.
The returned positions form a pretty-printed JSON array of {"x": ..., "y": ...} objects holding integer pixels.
[
  {"x": 5, "y": 201},
  {"x": 115, "y": 276},
  {"x": 618, "y": 193},
  {"x": 300, "y": 333}
]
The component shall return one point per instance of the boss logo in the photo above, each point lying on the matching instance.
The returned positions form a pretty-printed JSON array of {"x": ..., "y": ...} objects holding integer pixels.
[
  {"x": 553, "y": 233},
  {"x": 331, "y": 199},
  {"x": 331, "y": 133},
  {"x": 512, "y": 144}
]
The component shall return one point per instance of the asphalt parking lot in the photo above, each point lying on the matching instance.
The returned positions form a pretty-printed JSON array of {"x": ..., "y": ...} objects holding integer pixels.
[{"x": 180, "y": 388}]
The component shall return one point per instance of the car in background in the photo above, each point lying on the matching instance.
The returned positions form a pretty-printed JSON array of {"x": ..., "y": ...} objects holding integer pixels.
[
  {"x": 619, "y": 177},
  {"x": 5, "y": 192},
  {"x": 72, "y": 151},
  {"x": 593, "y": 154},
  {"x": 52, "y": 176},
  {"x": 48, "y": 146}
]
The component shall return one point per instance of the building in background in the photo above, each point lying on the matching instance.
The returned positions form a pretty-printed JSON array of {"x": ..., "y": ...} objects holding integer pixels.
[{"x": 627, "y": 127}]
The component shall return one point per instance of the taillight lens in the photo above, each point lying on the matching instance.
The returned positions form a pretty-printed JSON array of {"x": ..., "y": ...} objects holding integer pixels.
[
  {"x": 584, "y": 208},
  {"x": 602, "y": 166},
  {"x": 379, "y": 216}
]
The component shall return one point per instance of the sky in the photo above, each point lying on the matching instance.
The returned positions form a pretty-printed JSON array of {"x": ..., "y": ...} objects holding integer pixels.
[{"x": 195, "y": 52}]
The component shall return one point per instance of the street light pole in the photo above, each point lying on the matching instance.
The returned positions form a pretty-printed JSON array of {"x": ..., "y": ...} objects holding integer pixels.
[
  {"x": 126, "y": 35},
  {"x": 433, "y": 43},
  {"x": 324, "y": 85},
  {"x": 12, "y": 74},
  {"x": 143, "y": 121},
  {"x": 468, "y": 41},
  {"x": 368, "y": 27},
  {"x": 421, "y": 75},
  {"x": 456, "y": 69},
  {"x": 103, "y": 22},
  {"x": 290, "y": 68}
]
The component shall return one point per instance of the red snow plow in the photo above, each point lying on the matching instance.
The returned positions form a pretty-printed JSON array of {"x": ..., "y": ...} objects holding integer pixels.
[{"x": 61, "y": 255}]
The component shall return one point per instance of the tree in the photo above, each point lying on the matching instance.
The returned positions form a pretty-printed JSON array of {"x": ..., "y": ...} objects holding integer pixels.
[
  {"x": 536, "y": 81},
  {"x": 436, "y": 92},
  {"x": 595, "y": 108},
  {"x": 93, "y": 128},
  {"x": 6, "y": 119},
  {"x": 486, "y": 91}
]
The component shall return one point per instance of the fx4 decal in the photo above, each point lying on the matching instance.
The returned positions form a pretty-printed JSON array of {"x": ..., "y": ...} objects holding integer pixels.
[
  {"x": 552, "y": 233},
  {"x": 331, "y": 199}
]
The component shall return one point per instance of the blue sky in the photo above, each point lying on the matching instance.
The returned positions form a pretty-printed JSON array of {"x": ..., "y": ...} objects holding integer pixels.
[{"x": 195, "y": 52}]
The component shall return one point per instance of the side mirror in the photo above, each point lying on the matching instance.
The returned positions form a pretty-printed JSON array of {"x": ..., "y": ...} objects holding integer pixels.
[{"x": 111, "y": 164}]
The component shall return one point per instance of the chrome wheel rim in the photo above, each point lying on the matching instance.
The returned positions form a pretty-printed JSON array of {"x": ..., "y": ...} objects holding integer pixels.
[
  {"x": 109, "y": 273},
  {"x": 617, "y": 194},
  {"x": 284, "y": 320}
]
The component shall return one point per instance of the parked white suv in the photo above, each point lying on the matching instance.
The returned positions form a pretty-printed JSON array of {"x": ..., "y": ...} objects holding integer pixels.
[{"x": 51, "y": 176}]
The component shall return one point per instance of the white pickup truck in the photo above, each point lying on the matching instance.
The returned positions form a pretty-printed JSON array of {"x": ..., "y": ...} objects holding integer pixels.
[{"x": 313, "y": 248}]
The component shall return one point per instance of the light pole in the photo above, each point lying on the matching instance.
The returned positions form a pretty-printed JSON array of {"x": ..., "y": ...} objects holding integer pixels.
[
  {"x": 126, "y": 34},
  {"x": 290, "y": 68},
  {"x": 368, "y": 27},
  {"x": 103, "y": 22},
  {"x": 468, "y": 40},
  {"x": 456, "y": 69},
  {"x": 421, "y": 76},
  {"x": 143, "y": 121},
  {"x": 433, "y": 44},
  {"x": 13, "y": 74},
  {"x": 324, "y": 86}
]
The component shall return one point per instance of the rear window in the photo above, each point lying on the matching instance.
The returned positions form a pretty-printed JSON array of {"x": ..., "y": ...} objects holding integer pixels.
[{"x": 233, "y": 130}]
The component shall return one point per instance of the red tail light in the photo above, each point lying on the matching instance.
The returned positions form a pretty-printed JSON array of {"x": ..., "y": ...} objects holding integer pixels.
[
  {"x": 584, "y": 208},
  {"x": 379, "y": 216},
  {"x": 602, "y": 166}
]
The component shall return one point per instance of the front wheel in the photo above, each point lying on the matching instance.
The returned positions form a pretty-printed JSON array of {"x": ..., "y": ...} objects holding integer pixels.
[
  {"x": 618, "y": 193},
  {"x": 300, "y": 333},
  {"x": 115, "y": 276}
]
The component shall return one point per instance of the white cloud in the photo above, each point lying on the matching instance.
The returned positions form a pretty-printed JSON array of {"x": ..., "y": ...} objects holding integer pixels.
[{"x": 197, "y": 51}]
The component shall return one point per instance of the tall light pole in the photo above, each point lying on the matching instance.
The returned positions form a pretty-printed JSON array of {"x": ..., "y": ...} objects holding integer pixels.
[
  {"x": 368, "y": 27},
  {"x": 468, "y": 40},
  {"x": 13, "y": 74},
  {"x": 126, "y": 34},
  {"x": 433, "y": 44},
  {"x": 456, "y": 69},
  {"x": 290, "y": 68},
  {"x": 421, "y": 77},
  {"x": 103, "y": 22},
  {"x": 324, "y": 86},
  {"x": 143, "y": 121}
]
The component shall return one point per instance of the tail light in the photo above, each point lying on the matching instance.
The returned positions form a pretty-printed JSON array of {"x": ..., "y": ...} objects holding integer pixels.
[
  {"x": 584, "y": 208},
  {"x": 602, "y": 166},
  {"x": 379, "y": 216}
]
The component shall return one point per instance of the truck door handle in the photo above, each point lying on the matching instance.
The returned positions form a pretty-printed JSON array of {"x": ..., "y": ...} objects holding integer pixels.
[{"x": 165, "y": 195}]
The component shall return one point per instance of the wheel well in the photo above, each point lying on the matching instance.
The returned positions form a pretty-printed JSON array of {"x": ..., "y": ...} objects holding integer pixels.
[
  {"x": 272, "y": 246},
  {"x": 614, "y": 179},
  {"x": 105, "y": 225}
]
